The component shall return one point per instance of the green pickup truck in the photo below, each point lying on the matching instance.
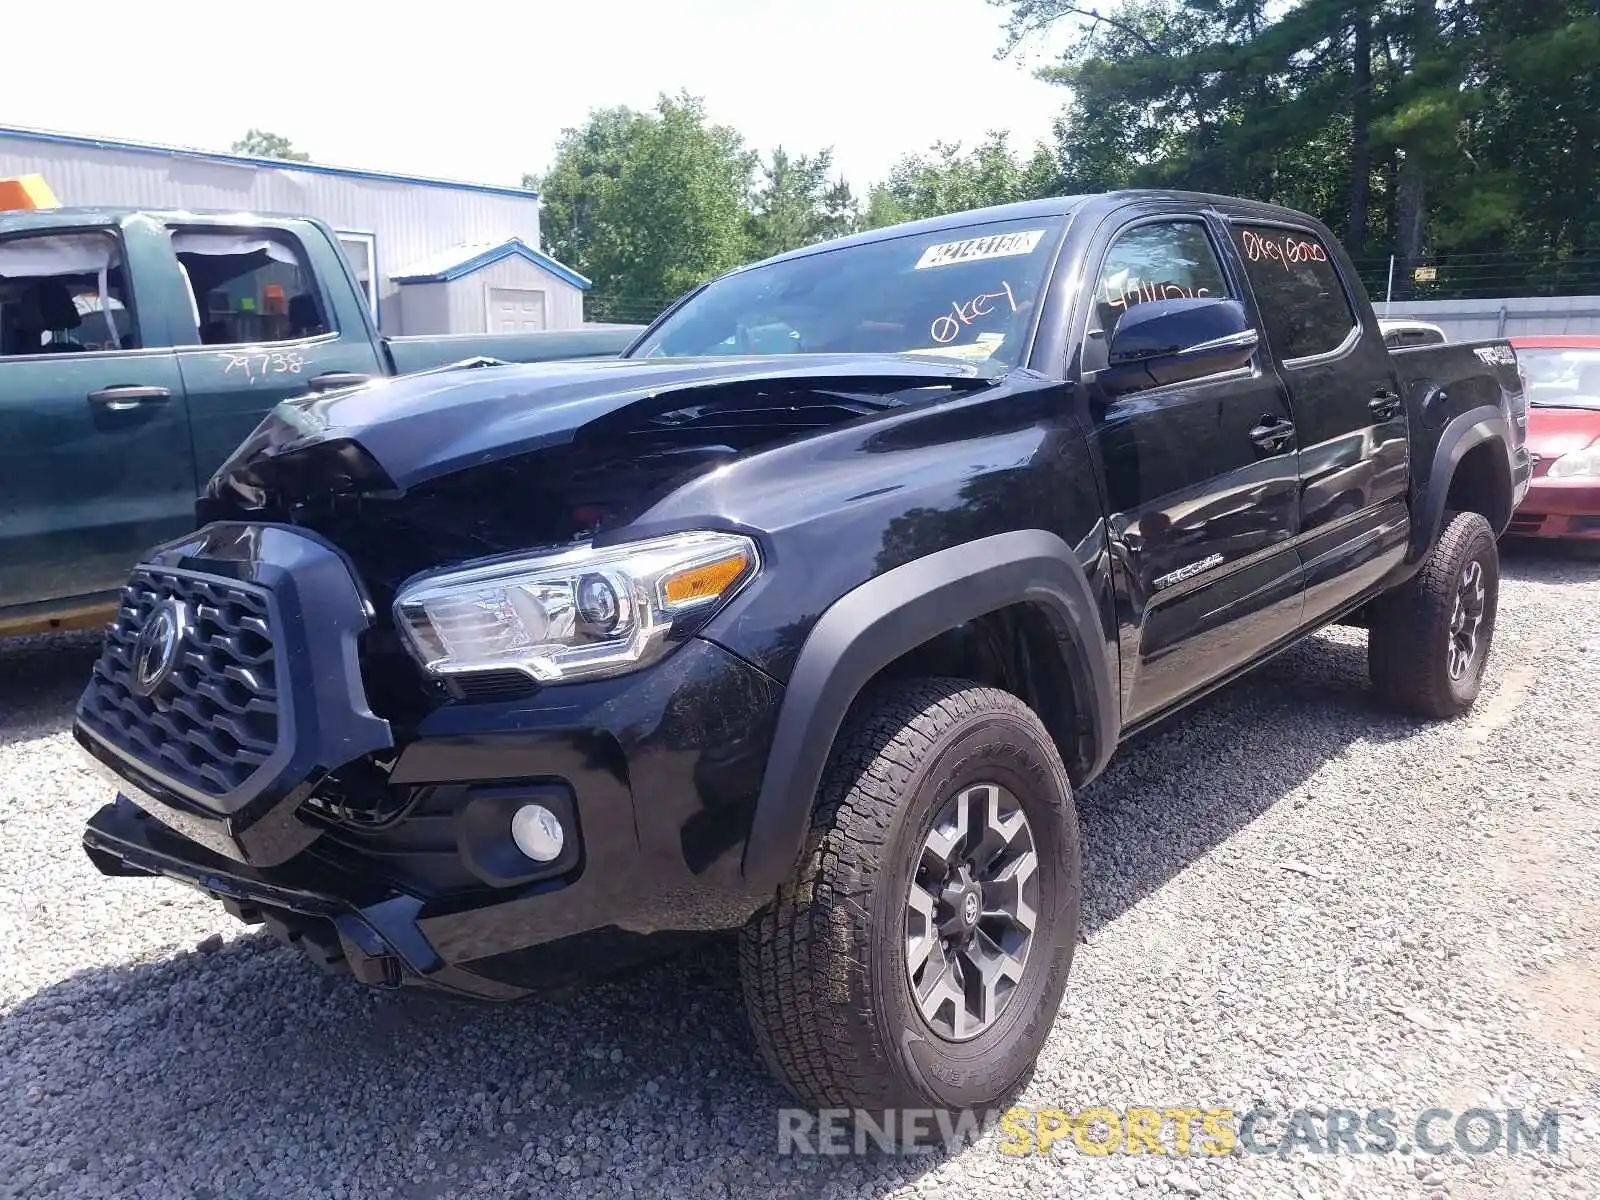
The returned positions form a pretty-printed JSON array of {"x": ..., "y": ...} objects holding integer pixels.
[{"x": 138, "y": 348}]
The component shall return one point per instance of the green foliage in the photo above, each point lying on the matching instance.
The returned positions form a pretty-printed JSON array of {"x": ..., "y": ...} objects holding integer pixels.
[
  {"x": 948, "y": 179},
  {"x": 651, "y": 204},
  {"x": 587, "y": 165},
  {"x": 676, "y": 215},
  {"x": 648, "y": 204},
  {"x": 268, "y": 145},
  {"x": 1418, "y": 127},
  {"x": 1421, "y": 126},
  {"x": 795, "y": 204}
]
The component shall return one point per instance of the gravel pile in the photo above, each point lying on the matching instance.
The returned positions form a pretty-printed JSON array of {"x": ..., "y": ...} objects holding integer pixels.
[{"x": 1292, "y": 900}]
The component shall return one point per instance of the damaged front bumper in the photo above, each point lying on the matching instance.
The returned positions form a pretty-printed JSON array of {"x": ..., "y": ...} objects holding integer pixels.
[
  {"x": 374, "y": 936},
  {"x": 223, "y": 780}
]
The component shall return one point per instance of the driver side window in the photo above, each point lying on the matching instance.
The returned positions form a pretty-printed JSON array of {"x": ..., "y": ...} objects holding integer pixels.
[
  {"x": 1166, "y": 260},
  {"x": 64, "y": 293}
]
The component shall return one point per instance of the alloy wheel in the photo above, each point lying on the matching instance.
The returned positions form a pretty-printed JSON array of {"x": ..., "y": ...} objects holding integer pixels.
[
  {"x": 971, "y": 911},
  {"x": 1466, "y": 619}
]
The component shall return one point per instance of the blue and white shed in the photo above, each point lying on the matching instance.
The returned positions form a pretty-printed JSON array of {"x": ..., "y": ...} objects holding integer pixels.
[{"x": 499, "y": 287}]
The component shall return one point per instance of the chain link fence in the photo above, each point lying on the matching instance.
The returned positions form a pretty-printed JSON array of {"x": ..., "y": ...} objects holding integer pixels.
[
  {"x": 1471, "y": 276},
  {"x": 615, "y": 308}
]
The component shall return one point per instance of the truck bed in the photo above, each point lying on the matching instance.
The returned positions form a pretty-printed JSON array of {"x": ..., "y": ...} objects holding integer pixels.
[
  {"x": 1451, "y": 380},
  {"x": 410, "y": 354}
]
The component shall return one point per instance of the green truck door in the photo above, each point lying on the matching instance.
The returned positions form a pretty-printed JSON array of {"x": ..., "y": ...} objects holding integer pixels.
[
  {"x": 96, "y": 464},
  {"x": 274, "y": 310}
]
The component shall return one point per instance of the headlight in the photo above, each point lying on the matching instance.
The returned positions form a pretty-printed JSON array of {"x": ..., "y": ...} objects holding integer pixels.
[
  {"x": 578, "y": 614},
  {"x": 1580, "y": 464}
]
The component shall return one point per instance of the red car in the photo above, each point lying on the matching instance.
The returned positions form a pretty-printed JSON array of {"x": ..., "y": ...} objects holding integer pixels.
[{"x": 1562, "y": 374}]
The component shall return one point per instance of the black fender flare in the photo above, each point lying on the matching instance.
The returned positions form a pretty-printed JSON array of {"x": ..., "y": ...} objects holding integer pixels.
[
  {"x": 877, "y": 622},
  {"x": 1462, "y": 433}
]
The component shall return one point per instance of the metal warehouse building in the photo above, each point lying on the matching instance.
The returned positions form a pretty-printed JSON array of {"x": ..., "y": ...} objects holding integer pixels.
[{"x": 434, "y": 256}]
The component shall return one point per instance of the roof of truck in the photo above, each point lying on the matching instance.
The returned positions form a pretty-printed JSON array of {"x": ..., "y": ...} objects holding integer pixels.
[
  {"x": 1050, "y": 206},
  {"x": 77, "y": 216}
]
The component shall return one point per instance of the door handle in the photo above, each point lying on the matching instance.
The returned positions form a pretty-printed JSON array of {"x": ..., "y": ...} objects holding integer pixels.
[
  {"x": 338, "y": 379},
  {"x": 1384, "y": 405},
  {"x": 124, "y": 398},
  {"x": 1274, "y": 433}
]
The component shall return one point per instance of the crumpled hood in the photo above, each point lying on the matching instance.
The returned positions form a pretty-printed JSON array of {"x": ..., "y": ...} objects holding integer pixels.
[{"x": 423, "y": 426}]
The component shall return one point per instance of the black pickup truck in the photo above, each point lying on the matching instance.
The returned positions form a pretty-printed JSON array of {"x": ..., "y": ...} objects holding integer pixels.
[{"x": 804, "y": 618}]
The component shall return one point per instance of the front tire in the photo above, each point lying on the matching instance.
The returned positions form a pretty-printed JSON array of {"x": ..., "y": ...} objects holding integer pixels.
[
  {"x": 1430, "y": 638},
  {"x": 918, "y": 958}
]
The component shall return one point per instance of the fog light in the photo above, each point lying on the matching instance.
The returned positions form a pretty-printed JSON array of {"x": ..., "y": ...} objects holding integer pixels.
[{"x": 537, "y": 832}]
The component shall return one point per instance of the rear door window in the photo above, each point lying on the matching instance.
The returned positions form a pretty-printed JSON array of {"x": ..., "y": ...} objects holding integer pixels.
[{"x": 1298, "y": 292}]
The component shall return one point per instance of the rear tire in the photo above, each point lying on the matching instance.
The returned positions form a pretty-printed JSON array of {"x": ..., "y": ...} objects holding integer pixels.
[
  {"x": 1430, "y": 638},
  {"x": 856, "y": 996}
]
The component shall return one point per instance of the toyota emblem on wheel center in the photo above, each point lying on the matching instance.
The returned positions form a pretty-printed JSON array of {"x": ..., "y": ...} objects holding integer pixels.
[{"x": 155, "y": 654}]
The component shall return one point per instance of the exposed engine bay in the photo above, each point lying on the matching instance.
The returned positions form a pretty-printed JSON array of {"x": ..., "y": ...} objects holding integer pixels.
[{"x": 607, "y": 472}]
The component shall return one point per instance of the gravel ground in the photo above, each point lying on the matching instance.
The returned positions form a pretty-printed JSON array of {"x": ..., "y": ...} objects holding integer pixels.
[{"x": 1291, "y": 899}]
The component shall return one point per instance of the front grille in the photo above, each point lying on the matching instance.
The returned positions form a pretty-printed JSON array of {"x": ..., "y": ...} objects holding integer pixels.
[{"x": 213, "y": 719}]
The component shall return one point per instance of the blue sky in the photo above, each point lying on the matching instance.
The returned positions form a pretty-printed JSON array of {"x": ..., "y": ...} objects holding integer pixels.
[{"x": 480, "y": 89}]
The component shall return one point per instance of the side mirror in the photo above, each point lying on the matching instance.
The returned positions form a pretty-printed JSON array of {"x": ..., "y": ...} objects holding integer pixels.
[{"x": 1170, "y": 341}]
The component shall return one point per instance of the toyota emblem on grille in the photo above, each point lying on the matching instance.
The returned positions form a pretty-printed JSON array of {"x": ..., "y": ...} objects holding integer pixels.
[{"x": 160, "y": 642}]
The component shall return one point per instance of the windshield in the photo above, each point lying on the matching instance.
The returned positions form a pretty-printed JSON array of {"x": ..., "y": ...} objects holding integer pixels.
[
  {"x": 1561, "y": 378},
  {"x": 966, "y": 292}
]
